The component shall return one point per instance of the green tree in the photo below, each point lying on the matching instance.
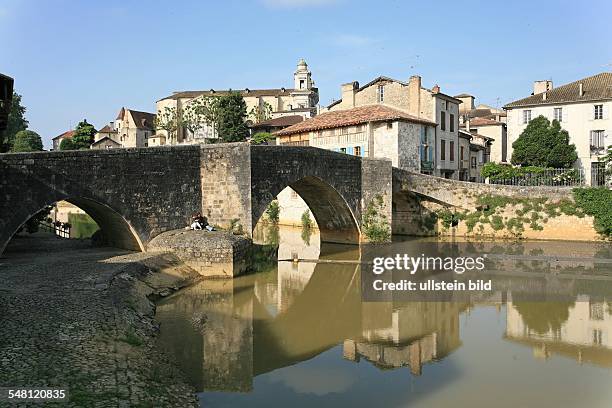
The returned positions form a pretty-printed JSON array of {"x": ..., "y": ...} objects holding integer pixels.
[
  {"x": 208, "y": 108},
  {"x": 232, "y": 115},
  {"x": 260, "y": 113},
  {"x": 273, "y": 212},
  {"x": 262, "y": 137},
  {"x": 83, "y": 135},
  {"x": 16, "y": 123},
  {"x": 544, "y": 144},
  {"x": 67, "y": 144},
  {"x": 168, "y": 120},
  {"x": 27, "y": 141}
]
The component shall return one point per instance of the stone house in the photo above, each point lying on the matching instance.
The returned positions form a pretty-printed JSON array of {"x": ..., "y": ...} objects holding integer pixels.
[
  {"x": 105, "y": 143},
  {"x": 583, "y": 109},
  {"x": 57, "y": 140},
  {"x": 301, "y": 100},
  {"x": 131, "y": 128},
  {"x": 419, "y": 102}
]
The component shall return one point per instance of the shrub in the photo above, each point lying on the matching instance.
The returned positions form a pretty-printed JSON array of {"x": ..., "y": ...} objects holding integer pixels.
[
  {"x": 376, "y": 226},
  {"x": 306, "y": 220},
  {"x": 596, "y": 202},
  {"x": 273, "y": 212}
]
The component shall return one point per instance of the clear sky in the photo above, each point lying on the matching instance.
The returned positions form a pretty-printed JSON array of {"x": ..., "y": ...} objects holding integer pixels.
[{"x": 86, "y": 59}]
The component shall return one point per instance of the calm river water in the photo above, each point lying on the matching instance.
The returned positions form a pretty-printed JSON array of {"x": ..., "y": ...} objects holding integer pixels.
[{"x": 298, "y": 333}]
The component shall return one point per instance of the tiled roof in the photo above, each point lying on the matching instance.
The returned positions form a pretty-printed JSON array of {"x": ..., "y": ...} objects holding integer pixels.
[
  {"x": 107, "y": 129},
  {"x": 66, "y": 135},
  {"x": 143, "y": 120},
  {"x": 243, "y": 92},
  {"x": 105, "y": 138},
  {"x": 283, "y": 121},
  {"x": 354, "y": 116},
  {"x": 464, "y": 95},
  {"x": 484, "y": 122},
  {"x": 595, "y": 88}
]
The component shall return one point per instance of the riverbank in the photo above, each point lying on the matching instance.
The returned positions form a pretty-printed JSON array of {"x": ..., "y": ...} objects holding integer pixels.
[{"x": 82, "y": 319}]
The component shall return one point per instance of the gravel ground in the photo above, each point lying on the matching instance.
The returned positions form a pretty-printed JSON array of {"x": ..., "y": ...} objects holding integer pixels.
[{"x": 79, "y": 318}]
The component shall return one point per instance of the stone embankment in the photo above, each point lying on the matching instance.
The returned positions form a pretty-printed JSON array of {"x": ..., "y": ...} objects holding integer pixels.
[
  {"x": 82, "y": 319},
  {"x": 213, "y": 254}
]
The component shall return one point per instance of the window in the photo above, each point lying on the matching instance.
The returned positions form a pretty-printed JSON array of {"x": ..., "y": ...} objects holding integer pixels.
[
  {"x": 357, "y": 150},
  {"x": 526, "y": 116},
  {"x": 452, "y": 150},
  {"x": 389, "y": 125},
  {"x": 381, "y": 93},
  {"x": 558, "y": 114},
  {"x": 443, "y": 120},
  {"x": 598, "y": 111},
  {"x": 461, "y": 153},
  {"x": 442, "y": 149},
  {"x": 473, "y": 162},
  {"x": 597, "y": 337},
  {"x": 301, "y": 84},
  {"x": 452, "y": 122},
  {"x": 343, "y": 150},
  {"x": 597, "y": 139},
  {"x": 596, "y": 311}
]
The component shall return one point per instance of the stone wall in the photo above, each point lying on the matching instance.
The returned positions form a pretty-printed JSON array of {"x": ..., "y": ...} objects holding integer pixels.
[
  {"x": 133, "y": 194},
  {"x": 376, "y": 181}
]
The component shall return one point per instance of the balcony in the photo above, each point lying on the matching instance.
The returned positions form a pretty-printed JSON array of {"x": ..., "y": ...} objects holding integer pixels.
[
  {"x": 347, "y": 138},
  {"x": 427, "y": 165}
]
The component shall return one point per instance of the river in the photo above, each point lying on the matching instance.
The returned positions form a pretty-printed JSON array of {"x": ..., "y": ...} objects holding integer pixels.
[{"x": 300, "y": 334}]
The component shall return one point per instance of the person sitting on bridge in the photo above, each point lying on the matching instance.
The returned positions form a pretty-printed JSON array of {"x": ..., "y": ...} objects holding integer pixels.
[{"x": 199, "y": 223}]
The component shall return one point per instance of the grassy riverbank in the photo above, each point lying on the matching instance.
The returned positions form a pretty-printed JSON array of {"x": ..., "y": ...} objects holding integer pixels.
[{"x": 81, "y": 318}]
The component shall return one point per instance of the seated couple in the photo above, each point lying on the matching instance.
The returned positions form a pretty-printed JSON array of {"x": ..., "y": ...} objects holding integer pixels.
[{"x": 199, "y": 223}]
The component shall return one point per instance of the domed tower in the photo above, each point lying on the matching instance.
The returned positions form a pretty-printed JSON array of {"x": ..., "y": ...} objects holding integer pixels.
[{"x": 301, "y": 78}]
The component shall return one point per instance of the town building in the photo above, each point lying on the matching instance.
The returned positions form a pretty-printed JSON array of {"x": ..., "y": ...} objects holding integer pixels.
[
  {"x": 131, "y": 128},
  {"x": 376, "y": 131},
  {"x": 420, "y": 103},
  {"x": 276, "y": 124},
  {"x": 583, "y": 109},
  {"x": 57, "y": 140},
  {"x": 262, "y": 105},
  {"x": 486, "y": 121},
  {"x": 105, "y": 143}
]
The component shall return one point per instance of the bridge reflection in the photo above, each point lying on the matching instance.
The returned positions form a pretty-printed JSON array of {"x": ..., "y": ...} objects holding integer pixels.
[{"x": 225, "y": 333}]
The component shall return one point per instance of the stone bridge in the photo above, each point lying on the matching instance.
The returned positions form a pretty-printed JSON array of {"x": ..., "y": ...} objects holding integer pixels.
[{"x": 136, "y": 194}]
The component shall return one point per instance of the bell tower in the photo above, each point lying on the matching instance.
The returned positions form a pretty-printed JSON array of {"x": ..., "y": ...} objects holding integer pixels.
[{"x": 301, "y": 78}]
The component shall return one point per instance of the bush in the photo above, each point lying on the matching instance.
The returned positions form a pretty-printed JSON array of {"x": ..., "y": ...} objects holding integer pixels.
[
  {"x": 596, "y": 202},
  {"x": 273, "y": 212},
  {"x": 376, "y": 227},
  {"x": 306, "y": 220}
]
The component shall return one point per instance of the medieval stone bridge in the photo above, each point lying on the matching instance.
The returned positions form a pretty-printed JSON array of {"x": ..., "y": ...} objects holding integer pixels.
[{"x": 136, "y": 194}]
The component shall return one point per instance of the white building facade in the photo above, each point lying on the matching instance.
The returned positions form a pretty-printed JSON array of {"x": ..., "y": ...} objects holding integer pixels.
[{"x": 583, "y": 109}]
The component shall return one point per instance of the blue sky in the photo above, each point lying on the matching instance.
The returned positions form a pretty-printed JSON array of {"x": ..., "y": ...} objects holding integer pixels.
[{"x": 84, "y": 59}]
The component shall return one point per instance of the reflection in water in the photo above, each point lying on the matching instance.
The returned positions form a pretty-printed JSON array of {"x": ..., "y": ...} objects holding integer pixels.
[{"x": 300, "y": 334}]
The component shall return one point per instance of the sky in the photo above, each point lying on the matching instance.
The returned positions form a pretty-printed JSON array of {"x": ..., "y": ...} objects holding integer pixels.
[{"x": 86, "y": 59}]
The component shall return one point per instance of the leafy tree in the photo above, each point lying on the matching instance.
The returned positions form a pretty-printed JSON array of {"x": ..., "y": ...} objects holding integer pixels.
[
  {"x": 262, "y": 137},
  {"x": 208, "y": 108},
  {"x": 273, "y": 211},
  {"x": 544, "y": 144},
  {"x": 191, "y": 118},
  {"x": 83, "y": 136},
  {"x": 31, "y": 226},
  {"x": 67, "y": 144},
  {"x": 16, "y": 123},
  {"x": 607, "y": 159},
  {"x": 27, "y": 141},
  {"x": 168, "y": 120},
  {"x": 232, "y": 115},
  {"x": 260, "y": 113}
]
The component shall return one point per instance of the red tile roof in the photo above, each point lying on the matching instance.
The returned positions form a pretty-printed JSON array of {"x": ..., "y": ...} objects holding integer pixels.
[
  {"x": 283, "y": 121},
  {"x": 484, "y": 122},
  {"x": 354, "y": 116},
  {"x": 66, "y": 135}
]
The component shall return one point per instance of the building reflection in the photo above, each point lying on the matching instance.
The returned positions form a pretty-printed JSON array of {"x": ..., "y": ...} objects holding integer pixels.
[
  {"x": 580, "y": 330},
  {"x": 225, "y": 333}
]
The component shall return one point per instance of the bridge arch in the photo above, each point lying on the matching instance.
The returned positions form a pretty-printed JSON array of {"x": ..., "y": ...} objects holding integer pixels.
[
  {"x": 116, "y": 230},
  {"x": 336, "y": 220}
]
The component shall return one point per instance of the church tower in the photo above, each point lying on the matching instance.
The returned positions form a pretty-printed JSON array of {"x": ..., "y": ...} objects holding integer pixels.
[{"x": 301, "y": 78}]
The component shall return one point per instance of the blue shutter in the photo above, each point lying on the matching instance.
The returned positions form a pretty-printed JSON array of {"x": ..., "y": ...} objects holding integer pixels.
[
  {"x": 349, "y": 150},
  {"x": 362, "y": 151}
]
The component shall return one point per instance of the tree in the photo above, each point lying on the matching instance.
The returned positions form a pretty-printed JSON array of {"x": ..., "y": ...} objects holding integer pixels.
[
  {"x": 168, "y": 120},
  {"x": 261, "y": 113},
  {"x": 544, "y": 144},
  {"x": 83, "y": 136},
  {"x": 262, "y": 137},
  {"x": 27, "y": 141},
  {"x": 208, "y": 108},
  {"x": 67, "y": 144},
  {"x": 16, "y": 123},
  {"x": 191, "y": 118},
  {"x": 232, "y": 115}
]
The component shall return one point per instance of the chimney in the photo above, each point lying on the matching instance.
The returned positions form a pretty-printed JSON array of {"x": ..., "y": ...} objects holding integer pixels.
[
  {"x": 435, "y": 89},
  {"x": 348, "y": 93},
  {"x": 111, "y": 125},
  {"x": 580, "y": 89},
  {"x": 542, "y": 86},
  {"x": 467, "y": 123},
  {"x": 414, "y": 96},
  {"x": 544, "y": 96}
]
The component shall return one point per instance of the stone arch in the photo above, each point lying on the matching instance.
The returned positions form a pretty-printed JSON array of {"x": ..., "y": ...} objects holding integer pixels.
[
  {"x": 336, "y": 221},
  {"x": 118, "y": 231}
]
